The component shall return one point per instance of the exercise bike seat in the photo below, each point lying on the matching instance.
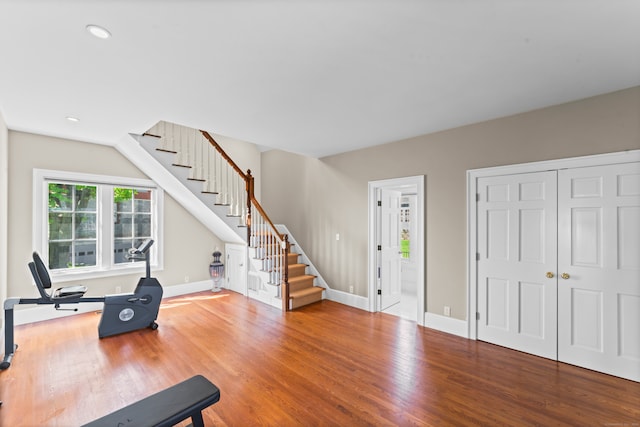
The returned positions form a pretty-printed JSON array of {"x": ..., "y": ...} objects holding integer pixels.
[{"x": 43, "y": 283}]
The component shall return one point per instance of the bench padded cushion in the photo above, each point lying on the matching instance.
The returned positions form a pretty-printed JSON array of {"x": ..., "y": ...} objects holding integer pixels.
[{"x": 167, "y": 407}]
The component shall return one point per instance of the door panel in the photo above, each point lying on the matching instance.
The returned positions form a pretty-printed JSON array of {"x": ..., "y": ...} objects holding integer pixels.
[
  {"x": 532, "y": 309},
  {"x": 390, "y": 254},
  {"x": 236, "y": 268},
  {"x": 599, "y": 250},
  {"x": 516, "y": 248}
]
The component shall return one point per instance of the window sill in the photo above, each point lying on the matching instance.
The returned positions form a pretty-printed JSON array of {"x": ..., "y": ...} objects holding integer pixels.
[{"x": 72, "y": 276}]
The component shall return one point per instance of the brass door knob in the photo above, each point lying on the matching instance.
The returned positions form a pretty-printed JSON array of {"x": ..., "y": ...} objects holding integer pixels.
[
  {"x": 549, "y": 275},
  {"x": 565, "y": 276}
]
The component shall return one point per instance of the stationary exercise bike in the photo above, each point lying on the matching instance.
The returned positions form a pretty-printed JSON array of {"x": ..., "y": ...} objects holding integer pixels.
[{"x": 121, "y": 312}]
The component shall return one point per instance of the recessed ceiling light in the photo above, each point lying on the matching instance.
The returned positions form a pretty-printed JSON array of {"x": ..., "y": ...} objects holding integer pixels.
[
  {"x": 73, "y": 119},
  {"x": 98, "y": 31}
]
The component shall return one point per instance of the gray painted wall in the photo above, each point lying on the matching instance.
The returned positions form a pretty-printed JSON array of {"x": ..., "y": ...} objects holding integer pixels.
[
  {"x": 187, "y": 243},
  {"x": 4, "y": 207},
  {"x": 317, "y": 198}
]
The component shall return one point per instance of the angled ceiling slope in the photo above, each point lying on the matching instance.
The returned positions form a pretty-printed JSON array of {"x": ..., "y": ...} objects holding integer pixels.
[{"x": 314, "y": 77}]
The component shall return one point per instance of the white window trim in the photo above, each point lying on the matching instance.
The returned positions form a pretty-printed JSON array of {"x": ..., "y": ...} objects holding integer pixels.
[{"x": 104, "y": 227}]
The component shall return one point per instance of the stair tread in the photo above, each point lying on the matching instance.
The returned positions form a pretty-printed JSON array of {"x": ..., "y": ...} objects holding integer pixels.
[
  {"x": 307, "y": 291},
  {"x": 302, "y": 277},
  {"x": 298, "y": 265}
]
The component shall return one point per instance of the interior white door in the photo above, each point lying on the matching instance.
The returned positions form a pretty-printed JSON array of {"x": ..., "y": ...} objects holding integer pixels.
[
  {"x": 599, "y": 264},
  {"x": 517, "y": 255},
  {"x": 390, "y": 255},
  {"x": 236, "y": 268}
]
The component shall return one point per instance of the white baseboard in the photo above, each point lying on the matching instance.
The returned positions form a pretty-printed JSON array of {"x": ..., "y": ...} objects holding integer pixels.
[
  {"x": 347, "y": 299},
  {"x": 47, "y": 312},
  {"x": 186, "y": 288},
  {"x": 446, "y": 324}
]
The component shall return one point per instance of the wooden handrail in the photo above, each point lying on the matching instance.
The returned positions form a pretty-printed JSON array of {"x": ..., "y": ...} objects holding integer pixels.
[
  {"x": 223, "y": 154},
  {"x": 249, "y": 182},
  {"x": 264, "y": 215}
]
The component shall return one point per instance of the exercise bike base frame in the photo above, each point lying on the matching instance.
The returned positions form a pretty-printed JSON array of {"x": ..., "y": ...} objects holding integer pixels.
[
  {"x": 120, "y": 314},
  {"x": 9, "y": 344}
]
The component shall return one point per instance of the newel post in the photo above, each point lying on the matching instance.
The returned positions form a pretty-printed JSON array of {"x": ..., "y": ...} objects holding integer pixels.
[
  {"x": 249, "y": 187},
  {"x": 284, "y": 292}
]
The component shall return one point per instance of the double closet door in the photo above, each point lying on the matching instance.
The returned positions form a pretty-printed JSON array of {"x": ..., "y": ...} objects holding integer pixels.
[{"x": 558, "y": 270}]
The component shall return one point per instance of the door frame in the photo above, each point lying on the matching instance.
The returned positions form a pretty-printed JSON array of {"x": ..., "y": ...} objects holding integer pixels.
[
  {"x": 472, "y": 195},
  {"x": 374, "y": 186}
]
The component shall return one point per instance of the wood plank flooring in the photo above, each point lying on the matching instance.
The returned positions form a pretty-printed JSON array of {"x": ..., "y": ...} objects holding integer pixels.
[{"x": 323, "y": 365}]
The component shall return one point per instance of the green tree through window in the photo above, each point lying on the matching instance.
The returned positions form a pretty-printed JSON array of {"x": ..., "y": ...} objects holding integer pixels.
[{"x": 72, "y": 233}]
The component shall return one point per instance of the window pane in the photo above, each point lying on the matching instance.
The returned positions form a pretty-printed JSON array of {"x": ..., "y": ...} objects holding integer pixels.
[
  {"x": 60, "y": 197},
  {"x": 122, "y": 246},
  {"x": 122, "y": 226},
  {"x": 405, "y": 243},
  {"x": 85, "y": 226},
  {"x": 123, "y": 205},
  {"x": 60, "y": 226},
  {"x": 142, "y": 225},
  {"x": 142, "y": 200},
  {"x": 120, "y": 249},
  {"x": 85, "y": 198},
  {"x": 59, "y": 255},
  {"x": 123, "y": 199},
  {"x": 85, "y": 252}
]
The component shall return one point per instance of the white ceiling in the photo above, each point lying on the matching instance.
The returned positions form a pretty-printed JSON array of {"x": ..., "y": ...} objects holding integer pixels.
[{"x": 315, "y": 77}]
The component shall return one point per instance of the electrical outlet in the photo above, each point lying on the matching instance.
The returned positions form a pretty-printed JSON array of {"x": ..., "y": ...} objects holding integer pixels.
[
  {"x": 350, "y": 289},
  {"x": 118, "y": 289},
  {"x": 186, "y": 279},
  {"x": 337, "y": 236},
  {"x": 447, "y": 311}
]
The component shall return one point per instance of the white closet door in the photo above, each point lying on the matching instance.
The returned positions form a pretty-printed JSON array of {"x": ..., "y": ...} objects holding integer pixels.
[
  {"x": 516, "y": 249},
  {"x": 236, "y": 268},
  {"x": 390, "y": 254},
  {"x": 599, "y": 253}
]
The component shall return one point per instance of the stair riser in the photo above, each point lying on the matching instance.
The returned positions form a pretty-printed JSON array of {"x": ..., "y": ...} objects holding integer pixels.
[
  {"x": 306, "y": 300},
  {"x": 299, "y": 285},
  {"x": 297, "y": 270}
]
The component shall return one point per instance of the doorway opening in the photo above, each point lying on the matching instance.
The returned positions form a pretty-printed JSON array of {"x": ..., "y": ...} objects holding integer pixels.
[{"x": 396, "y": 247}]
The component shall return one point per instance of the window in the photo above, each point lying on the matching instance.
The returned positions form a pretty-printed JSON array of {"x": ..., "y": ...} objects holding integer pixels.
[{"x": 85, "y": 224}]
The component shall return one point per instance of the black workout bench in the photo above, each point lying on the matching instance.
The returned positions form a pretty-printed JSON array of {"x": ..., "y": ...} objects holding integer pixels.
[{"x": 167, "y": 407}]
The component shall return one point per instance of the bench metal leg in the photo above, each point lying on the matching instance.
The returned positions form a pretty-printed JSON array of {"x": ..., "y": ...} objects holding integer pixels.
[{"x": 196, "y": 420}]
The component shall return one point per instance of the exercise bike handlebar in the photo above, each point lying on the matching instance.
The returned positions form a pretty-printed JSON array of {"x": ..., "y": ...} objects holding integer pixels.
[{"x": 140, "y": 253}]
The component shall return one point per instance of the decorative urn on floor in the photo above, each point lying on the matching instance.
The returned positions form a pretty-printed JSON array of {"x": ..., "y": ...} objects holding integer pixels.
[{"x": 216, "y": 271}]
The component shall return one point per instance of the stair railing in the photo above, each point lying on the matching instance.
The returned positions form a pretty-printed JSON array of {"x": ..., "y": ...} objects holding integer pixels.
[
  {"x": 272, "y": 248},
  {"x": 220, "y": 175}
]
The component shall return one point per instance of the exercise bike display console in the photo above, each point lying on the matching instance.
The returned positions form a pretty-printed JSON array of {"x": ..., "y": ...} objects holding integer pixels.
[{"x": 121, "y": 312}]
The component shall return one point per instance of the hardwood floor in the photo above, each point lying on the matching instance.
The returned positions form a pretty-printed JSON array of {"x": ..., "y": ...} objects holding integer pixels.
[{"x": 324, "y": 364}]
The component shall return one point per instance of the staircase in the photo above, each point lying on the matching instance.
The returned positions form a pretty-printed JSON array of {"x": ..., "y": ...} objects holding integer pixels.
[
  {"x": 301, "y": 285},
  {"x": 279, "y": 276}
]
